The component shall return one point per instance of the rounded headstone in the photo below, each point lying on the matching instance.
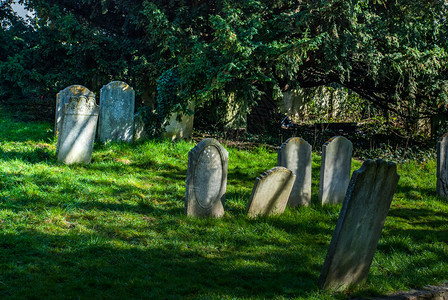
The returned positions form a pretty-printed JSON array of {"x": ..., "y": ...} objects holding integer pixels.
[
  {"x": 206, "y": 179},
  {"x": 295, "y": 155},
  {"x": 335, "y": 170},
  {"x": 116, "y": 120}
]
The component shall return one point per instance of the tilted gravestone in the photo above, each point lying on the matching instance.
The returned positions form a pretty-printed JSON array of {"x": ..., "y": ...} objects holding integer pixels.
[
  {"x": 295, "y": 155},
  {"x": 116, "y": 120},
  {"x": 359, "y": 226},
  {"x": 63, "y": 97},
  {"x": 335, "y": 170},
  {"x": 206, "y": 179},
  {"x": 442, "y": 166},
  {"x": 271, "y": 192},
  {"x": 75, "y": 141}
]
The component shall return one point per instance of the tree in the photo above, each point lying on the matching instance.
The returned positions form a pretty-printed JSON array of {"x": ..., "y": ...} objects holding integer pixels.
[{"x": 393, "y": 53}]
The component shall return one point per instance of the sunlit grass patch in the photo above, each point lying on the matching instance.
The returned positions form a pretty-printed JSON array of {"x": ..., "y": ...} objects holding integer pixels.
[{"x": 116, "y": 228}]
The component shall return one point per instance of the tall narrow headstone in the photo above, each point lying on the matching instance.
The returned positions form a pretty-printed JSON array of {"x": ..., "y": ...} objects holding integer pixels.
[
  {"x": 335, "y": 170},
  {"x": 359, "y": 226},
  {"x": 77, "y": 136},
  {"x": 116, "y": 120},
  {"x": 271, "y": 192},
  {"x": 295, "y": 155},
  {"x": 442, "y": 166},
  {"x": 206, "y": 179},
  {"x": 63, "y": 97}
]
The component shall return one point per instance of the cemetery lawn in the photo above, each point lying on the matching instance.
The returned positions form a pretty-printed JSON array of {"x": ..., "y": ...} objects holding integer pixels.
[{"x": 116, "y": 228}]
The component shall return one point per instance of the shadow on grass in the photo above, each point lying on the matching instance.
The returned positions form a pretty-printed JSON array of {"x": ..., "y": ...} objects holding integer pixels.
[
  {"x": 37, "y": 155},
  {"x": 90, "y": 266},
  {"x": 23, "y": 132},
  {"x": 407, "y": 190}
]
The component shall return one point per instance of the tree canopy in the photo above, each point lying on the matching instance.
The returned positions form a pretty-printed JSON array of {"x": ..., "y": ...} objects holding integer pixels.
[{"x": 393, "y": 53}]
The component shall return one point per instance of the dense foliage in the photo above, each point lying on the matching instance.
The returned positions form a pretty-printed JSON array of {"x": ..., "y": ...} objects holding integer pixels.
[{"x": 394, "y": 53}]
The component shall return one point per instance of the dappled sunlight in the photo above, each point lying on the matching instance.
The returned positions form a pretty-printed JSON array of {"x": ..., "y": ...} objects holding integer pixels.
[{"x": 118, "y": 227}]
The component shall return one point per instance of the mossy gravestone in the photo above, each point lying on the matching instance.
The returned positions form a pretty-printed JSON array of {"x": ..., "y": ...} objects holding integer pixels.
[
  {"x": 206, "y": 179},
  {"x": 63, "y": 97},
  {"x": 271, "y": 192},
  {"x": 359, "y": 226},
  {"x": 335, "y": 170},
  {"x": 442, "y": 167},
  {"x": 75, "y": 141},
  {"x": 295, "y": 155},
  {"x": 116, "y": 120}
]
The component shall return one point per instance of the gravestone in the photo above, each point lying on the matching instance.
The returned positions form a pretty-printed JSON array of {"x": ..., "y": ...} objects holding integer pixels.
[
  {"x": 359, "y": 226},
  {"x": 206, "y": 179},
  {"x": 335, "y": 170},
  {"x": 271, "y": 192},
  {"x": 442, "y": 167},
  {"x": 177, "y": 130},
  {"x": 116, "y": 120},
  {"x": 295, "y": 155},
  {"x": 63, "y": 97},
  {"x": 75, "y": 141}
]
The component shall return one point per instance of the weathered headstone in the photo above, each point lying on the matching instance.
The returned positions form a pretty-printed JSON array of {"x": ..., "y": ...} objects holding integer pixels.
[
  {"x": 335, "y": 170},
  {"x": 442, "y": 166},
  {"x": 295, "y": 155},
  {"x": 63, "y": 97},
  {"x": 206, "y": 179},
  {"x": 75, "y": 141},
  {"x": 271, "y": 192},
  {"x": 116, "y": 120},
  {"x": 177, "y": 130},
  {"x": 359, "y": 226}
]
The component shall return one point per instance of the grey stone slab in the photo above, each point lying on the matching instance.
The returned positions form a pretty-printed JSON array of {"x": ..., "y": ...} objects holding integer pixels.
[
  {"x": 442, "y": 166},
  {"x": 206, "y": 179},
  {"x": 77, "y": 136},
  {"x": 116, "y": 120},
  {"x": 271, "y": 192},
  {"x": 335, "y": 170},
  {"x": 359, "y": 226},
  {"x": 63, "y": 97},
  {"x": 295, "y": 155},
  {"x": 177, "y": 130}
]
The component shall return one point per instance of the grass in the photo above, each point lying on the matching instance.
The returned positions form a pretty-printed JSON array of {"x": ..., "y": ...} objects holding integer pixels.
[{"x": 116, "y": 228}]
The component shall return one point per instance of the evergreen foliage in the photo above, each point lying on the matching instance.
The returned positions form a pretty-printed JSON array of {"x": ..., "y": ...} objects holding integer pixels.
[{"x": 393, "y": 53}]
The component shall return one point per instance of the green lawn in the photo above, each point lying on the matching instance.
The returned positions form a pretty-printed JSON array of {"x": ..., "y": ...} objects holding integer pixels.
[{"x": 116, "y": 228}]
